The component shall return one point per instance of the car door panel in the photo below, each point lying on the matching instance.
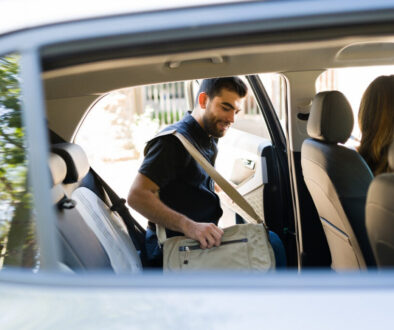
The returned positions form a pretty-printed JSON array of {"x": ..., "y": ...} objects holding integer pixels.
[{"x": 240, "y": 161}]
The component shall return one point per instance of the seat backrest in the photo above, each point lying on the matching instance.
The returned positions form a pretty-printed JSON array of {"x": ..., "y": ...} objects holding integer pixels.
[
  {"x": 107, "y": 227},
  {"x": 81, "y": 250},
  {"x": 380, "y": 215},
  {"x": 337, "y": 179}
]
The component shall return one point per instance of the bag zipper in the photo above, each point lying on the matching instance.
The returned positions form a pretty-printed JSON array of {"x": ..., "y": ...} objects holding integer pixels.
[{"x": 186, "y": 248}]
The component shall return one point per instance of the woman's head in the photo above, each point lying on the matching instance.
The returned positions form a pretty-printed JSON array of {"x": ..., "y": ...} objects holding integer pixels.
[{"x": 376, "y": 120}]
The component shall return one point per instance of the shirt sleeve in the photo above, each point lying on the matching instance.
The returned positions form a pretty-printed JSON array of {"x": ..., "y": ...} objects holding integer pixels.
[{"x": 164, "y": 161}]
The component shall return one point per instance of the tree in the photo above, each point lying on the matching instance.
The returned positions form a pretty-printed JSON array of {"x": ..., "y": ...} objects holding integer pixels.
[{"x": 16, "y": 225}]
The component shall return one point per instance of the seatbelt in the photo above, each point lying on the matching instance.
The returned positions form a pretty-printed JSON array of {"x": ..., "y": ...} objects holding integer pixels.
[
  {"x": 119, "y": 206},
  {"x": 240, "y": 205}
]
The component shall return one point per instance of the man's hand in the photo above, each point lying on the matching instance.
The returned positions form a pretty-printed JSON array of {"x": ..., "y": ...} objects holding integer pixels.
[
  {"x": 143, "y": 198},
  {"x": 208, "y": 234}
]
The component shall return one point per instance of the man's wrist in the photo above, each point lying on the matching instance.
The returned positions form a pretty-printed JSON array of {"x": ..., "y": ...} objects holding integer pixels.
[{"x": 185, "y": 224}]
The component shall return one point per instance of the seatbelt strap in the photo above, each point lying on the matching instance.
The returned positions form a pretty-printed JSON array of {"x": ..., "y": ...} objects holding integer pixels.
[
  {"x": 240, "y": 205},
  {"x": 119, "y": 206}
]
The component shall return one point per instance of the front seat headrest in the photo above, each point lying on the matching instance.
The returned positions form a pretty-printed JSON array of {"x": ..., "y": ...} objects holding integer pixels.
[
  {"x": 75, "y": 158},
  {"x": 330, "y": 118}
]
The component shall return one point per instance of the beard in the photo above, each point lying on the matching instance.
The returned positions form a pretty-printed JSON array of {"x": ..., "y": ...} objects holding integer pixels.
[{"x": 214, "y": 126}]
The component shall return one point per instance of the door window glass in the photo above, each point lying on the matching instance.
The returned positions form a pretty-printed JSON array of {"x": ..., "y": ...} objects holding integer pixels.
[{"x": 17, "y": 228}]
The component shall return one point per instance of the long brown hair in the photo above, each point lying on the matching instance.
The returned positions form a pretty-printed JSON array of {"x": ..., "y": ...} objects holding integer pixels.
[{"x": 376, "y": 120}]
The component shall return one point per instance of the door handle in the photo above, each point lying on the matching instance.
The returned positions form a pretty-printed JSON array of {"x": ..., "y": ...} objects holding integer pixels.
[{"x": 248, "y": 163}]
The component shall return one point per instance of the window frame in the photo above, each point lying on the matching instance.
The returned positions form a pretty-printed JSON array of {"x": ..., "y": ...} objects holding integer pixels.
[{"x": 68, "y": 37}]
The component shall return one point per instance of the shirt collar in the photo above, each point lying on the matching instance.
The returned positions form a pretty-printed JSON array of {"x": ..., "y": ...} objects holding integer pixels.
[{"x": 198, "y": 131}]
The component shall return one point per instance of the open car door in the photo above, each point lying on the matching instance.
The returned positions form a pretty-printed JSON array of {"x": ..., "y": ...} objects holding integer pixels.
[{"x": 252, "y": 156}]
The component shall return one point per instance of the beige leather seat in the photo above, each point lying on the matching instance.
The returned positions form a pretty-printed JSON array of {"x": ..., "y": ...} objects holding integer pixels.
[
  {"x": 338, "y": 179},
  {"x": 380, "y": 215}
]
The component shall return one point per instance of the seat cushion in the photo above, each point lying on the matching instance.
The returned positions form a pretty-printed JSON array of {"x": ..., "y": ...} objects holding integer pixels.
[{"x": 109, "y": 229}]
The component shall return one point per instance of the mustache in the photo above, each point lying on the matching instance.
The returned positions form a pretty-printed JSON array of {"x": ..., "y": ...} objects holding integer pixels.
[{"x": 227, "y": 123}]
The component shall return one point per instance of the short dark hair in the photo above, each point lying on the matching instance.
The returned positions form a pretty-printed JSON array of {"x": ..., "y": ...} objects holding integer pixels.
[{"x": 213, "y": 86}]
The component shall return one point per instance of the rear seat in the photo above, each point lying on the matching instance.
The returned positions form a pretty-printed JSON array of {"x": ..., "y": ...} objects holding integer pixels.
[
  {"x": 92, "y": 236},
  {"x": 80, "y": 247}
]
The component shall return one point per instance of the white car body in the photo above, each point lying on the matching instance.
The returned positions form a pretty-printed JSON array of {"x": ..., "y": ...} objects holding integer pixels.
[{"x": 294, "y": 299}]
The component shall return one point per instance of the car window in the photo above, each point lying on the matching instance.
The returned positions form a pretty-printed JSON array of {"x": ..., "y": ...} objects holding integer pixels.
[
  {"x": 352, "y": 82},
  {"x": 275, "y": 85},
  {"x": 117, "y": 127},
  {"x": 17, "y": 229}
]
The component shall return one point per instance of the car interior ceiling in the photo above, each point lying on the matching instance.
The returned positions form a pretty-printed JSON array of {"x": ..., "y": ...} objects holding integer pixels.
[
  {"x": 86, "y": 81},
  {"x": 66, "y": 106}
]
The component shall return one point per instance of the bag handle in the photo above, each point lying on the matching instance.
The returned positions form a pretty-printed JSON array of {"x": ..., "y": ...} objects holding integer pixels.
[{"x": 240, "y": 204}]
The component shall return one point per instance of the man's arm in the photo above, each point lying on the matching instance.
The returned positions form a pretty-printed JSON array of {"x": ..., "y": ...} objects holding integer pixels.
[{"x": 143, "y": 197}]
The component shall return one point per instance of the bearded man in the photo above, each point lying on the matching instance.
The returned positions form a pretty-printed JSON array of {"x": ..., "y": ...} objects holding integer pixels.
[{"x": 171, "y": 188}]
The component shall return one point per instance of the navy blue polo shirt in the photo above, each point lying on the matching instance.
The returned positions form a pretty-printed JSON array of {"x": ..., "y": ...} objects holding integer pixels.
[{"x": 184, "y": 185}]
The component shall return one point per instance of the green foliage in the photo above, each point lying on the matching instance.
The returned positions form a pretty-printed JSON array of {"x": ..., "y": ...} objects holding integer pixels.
[
  {"x": 160, "y": 117},
  {"x": 166, "y": 118},
  {"x": 12, "y": 149},
  {"x": 172, "y": 117},
  {"x": 9, "y": 87},
  {"x": 16, "y": 227}
]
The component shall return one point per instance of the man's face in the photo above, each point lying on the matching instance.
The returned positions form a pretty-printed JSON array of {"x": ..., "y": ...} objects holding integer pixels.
[{"x": 220, "y": 112}]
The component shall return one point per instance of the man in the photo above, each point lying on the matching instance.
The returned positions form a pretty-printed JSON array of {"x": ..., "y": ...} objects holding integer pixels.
[{"x": 188, "y": 204}]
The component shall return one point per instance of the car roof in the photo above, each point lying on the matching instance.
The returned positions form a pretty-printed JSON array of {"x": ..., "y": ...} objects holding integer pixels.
[{"x": 43, "y": 12}]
